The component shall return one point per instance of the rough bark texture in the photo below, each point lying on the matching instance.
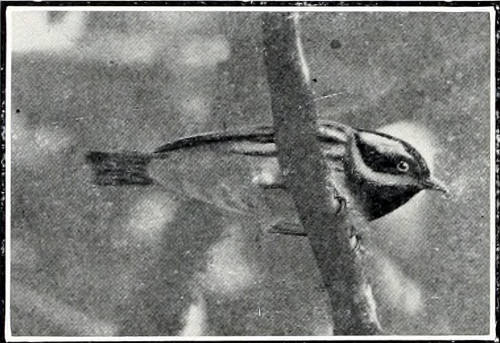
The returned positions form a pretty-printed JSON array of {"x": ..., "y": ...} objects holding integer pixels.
[{"x": 301, "y": 160}]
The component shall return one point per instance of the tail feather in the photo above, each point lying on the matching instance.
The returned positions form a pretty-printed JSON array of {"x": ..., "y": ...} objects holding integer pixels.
[{"x": 119, "y": 168}]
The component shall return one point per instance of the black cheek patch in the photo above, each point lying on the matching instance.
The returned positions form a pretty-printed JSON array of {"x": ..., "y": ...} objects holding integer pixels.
[{"x": 383, "y": 163}]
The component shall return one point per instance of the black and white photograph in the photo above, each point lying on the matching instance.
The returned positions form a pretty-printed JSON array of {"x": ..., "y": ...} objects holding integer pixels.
[{"x": 248, "y": 171}]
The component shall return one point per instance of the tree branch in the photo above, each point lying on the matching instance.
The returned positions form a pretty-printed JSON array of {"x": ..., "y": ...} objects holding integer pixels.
[{"x": 306, "y": 175}]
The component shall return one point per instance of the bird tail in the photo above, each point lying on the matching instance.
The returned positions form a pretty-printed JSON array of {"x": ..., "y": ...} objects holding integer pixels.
[{"x": 119, "y": 168}]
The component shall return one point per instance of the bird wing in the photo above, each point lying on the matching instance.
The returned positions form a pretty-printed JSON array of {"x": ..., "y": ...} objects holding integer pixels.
[{"x": 235, "y": 170}]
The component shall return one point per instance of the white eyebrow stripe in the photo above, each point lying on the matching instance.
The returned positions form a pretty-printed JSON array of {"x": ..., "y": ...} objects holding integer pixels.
[
  {"x": 379, "y": 178},
  {"x": 385, "y": 145}
]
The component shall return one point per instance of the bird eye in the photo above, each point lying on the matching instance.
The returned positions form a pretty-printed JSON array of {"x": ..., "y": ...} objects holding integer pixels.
[{"x": 403, "y": 166}]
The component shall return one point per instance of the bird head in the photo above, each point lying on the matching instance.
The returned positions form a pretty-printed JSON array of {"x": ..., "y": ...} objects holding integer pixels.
[{"x": 386, "y": 172}]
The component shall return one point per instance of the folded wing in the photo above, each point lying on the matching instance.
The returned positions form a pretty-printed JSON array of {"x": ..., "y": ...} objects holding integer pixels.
[{"x": 235, "y": 170}]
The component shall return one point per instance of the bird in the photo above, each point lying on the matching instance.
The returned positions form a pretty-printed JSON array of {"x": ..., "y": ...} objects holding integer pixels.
[{"x": 374, "y": 172}]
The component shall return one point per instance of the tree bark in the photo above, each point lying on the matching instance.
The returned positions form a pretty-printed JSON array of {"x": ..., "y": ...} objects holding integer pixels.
[{"x": 306, "y": 176}]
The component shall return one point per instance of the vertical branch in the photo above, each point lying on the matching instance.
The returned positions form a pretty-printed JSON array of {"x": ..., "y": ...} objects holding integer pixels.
[{"x": 306, "y": 176}]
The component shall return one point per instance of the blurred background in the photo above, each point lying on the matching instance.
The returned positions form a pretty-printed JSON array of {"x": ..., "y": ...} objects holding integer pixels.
[{"x": 90, "y": 260}]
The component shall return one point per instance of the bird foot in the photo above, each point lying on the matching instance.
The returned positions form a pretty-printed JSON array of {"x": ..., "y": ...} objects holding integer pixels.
[{"x": 342, "y": 204}]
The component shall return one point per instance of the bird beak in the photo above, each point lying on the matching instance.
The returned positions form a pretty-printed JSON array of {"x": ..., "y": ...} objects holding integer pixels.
[{"x": 434, "y": 184}]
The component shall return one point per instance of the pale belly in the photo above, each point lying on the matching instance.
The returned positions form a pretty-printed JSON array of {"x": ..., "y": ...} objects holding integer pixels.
[{"x": 235, "y": 184}]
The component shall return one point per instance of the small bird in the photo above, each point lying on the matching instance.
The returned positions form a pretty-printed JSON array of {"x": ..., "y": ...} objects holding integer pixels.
[{"x": 375, "y": 171}]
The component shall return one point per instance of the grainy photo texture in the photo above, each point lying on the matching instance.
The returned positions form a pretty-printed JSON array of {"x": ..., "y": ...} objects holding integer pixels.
[{"x": 215, "y": 172}]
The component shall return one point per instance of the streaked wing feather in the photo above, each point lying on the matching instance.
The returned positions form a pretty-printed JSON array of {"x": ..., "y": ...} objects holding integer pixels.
[
  {"x": 253, "y": 140},
  {"x": 253, "y": 149},
  {"x": 261, "y": 134}
]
